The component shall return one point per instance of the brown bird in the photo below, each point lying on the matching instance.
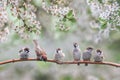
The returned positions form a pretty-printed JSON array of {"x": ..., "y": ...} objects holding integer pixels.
[{"x": 40, "y": 53}]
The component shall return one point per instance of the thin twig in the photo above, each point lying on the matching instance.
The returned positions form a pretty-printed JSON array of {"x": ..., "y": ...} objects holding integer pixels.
[{"x": 63, "y": 62}]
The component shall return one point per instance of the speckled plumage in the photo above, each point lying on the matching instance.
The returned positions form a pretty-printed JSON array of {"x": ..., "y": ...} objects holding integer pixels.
[
  {"x": 87, "y": 55},
  {"x": 76, "y": 52},
  {"x": 24, "y": 53},
  {"x": 98, "y": 56},
  {"x": 59, "y": 55}
]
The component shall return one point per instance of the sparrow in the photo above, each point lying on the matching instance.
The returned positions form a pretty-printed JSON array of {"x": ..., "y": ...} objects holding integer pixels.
[
  {"x": 59, "y": 55},
  {"x": 98, "y": 56},
  {"x": 40, "y": 53},
  {"x": 87, "y": 54},
  {"x": 76, "y": 53},
  {"x": 24, "y": 53}
]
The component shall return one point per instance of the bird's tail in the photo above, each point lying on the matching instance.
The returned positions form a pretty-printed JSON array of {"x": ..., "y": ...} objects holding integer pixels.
[
  {"x": 44, "y": 58},
  {"x": 78, "y": 64},
  {"x": 35, "y": 42},
  {"x": 86, "y": 64}
]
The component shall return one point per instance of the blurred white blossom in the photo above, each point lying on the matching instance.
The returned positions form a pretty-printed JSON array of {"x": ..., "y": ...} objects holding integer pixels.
[
  {"x": 4, "y": 31},
  {"x": 55, "y": 9},
  {"x": 107, "y": 14},
  {"x": 61, "y": 12},
  {"x": 26, "y": 17},
  {"x": 3, "y": 34}
]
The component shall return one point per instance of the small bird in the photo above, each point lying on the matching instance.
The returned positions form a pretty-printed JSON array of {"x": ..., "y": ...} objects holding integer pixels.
[
  {"x": 87, "y": 54},
  {"x": 98, "y": 56},
  {"x": 59, "y": 55},
  {"x": 76, "y": 53},
  {"x": 24, "y": 53},
  {"x": 40, "y": 53}
]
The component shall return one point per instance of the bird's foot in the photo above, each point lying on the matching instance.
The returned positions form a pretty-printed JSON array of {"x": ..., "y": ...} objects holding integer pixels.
[
  {"x": 40, "y": 58},
  {"x": 78, "y": 63},
  {"x": 86, "y": 62}
]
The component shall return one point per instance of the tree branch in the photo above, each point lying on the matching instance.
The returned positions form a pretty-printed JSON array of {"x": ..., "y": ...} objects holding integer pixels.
[{"x": 63, "y": 62}]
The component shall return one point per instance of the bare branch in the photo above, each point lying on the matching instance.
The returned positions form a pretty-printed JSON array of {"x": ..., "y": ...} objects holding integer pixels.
[{"x": 63, "y": 62}]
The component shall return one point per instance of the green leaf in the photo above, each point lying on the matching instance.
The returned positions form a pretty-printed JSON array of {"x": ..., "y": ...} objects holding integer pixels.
[
  {"x": 101, "y": 20},
  {"x": 66, "y": 77},
  {"x": 89, "y": 11},
  {"x": 119, "y": 12},
  {"x": 37, "y": 2},
  {"x": 100, "y": 1},
  {"x": 118, "y": 1},
  {"x": 70, "y": 14},
  {"x": 118, "y": 27},
  {"x": 103, "y": 23},
  {"x": 73, "y": 20},
  {"x": 64, "y": 19}
]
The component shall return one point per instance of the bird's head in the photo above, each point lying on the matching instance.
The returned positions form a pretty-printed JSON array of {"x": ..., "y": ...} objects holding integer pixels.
[
  {"x": 99, "y": 51},
  {"x": 90, "y": 49},
  {"x": 58, "y": 50},
  {"x": 75, "y": 45},
  {"x": 26, "y": 49}
]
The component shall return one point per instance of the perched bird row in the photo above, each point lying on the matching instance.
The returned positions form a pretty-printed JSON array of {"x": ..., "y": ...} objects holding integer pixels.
[
  {"x": 40, "y": 53},
  {"x": 59, "y": 55},
  {"x": 77, "y": 54},
  {"x": 87, "y": 54}
]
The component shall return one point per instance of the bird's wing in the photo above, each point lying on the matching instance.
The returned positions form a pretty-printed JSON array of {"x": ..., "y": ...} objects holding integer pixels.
[
  {"x": 86, "y": 55},
  {"x": 63, "y": 55},
  {"x": 73, "y": 52},
  {"x": 43, "y": 51},
  {"x": 96, "y": 56},
  {"x": 37, "y": 53},
  {"x": 56, "y": 56},
  {"x": 39, "y": 50},
  {"x": 20, "y": 50},
  {"x": 101, "y": 56},
  {"x": 76, "y": 53}
]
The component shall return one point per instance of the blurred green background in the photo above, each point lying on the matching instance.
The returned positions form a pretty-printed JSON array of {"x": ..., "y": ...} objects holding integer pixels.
[{"x": 51, "y": 39}]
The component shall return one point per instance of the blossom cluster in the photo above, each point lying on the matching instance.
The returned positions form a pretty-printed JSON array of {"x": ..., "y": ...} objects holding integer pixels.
[
  {"x": 107, "y": 13},
  {"x": 25, "y": 13},
  {"x": 61, "y": 12},
  {"x": 56, "y": 10},
  {"x": 105, "y": 10},
  {"x": 4, "y": 31},
  {"x": 20, "y": 16}
]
